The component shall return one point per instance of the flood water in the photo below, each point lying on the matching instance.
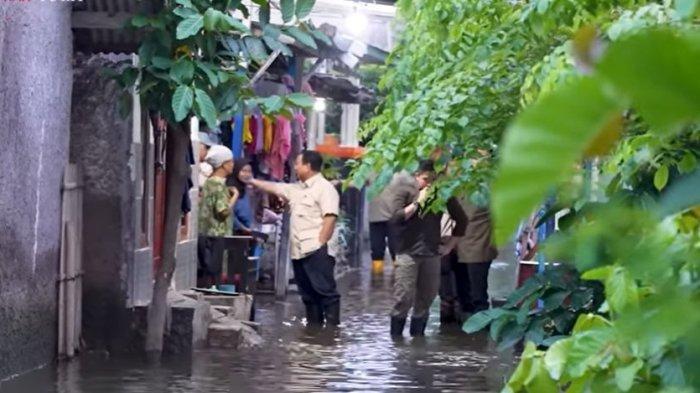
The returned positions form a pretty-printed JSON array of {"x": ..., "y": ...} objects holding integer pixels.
[{"x": 360, "y": 357}]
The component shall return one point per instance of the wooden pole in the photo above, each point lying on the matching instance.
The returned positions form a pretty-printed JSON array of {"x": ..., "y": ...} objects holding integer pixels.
[{"x": 176, "y": 176}]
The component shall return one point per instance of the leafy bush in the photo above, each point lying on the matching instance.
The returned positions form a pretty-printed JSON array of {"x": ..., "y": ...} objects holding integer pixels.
[{"x": 563, "y": 295}]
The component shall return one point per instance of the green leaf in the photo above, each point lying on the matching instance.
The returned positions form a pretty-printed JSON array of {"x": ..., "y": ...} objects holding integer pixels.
[
  {"x": 665, "y": 90},
  {"x": 559, "y": 127},
  {"x": 301, "y": 100},
  {"x": 213, "y": 19},
  {"x": 600, "y": 274},
  {"x": 687, "y": 163},
  {"x": 481, "y": 319},
  {"x": 287, "y": 7},
  {"x": 661, "y": 177},
  {"x": 205, "y": 107},
  {"x": 209, "y": 71},
  {"x": 682, "y": 194},
  {"x": 274, "y": 45},
  {"x": 272, "y": 31},
  {"x": 182, "y": 71},
  {"x": 273, "y": 104},
  {"x": 162, "y": 63},
  {"x": 497, "y": 326},
  {"x": 189, "y": 27},
  {"x": 185, "y": 13},
  {"x": 182, "y": 102},
  {"x": 555, "y": 300},
  {"x": 185, "y": 3},
  {"x": 539, "y": 380},
  {"x": 512, "y": 334},
  {"x": 304, "y": 8},
  {"x": 621, "y": 290},
  {"x": 529, "y": 287},
  {"x": 624, "y": 376},
  {"x": 301, "y": 36},
  {"x": 555, "y": 358},
  {"x": 256, "y": 49},
  {"x": 587, "y": 350},
  {"x": 235, "y": 24},
  {"x": 139, "y": 21},
  {"x": 264, "y": 14},
  {"x": 321, "y": 36}
]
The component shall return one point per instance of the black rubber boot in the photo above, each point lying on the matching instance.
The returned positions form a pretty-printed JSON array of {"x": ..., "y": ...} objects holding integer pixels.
[
  {"x": 332, "y": 313},
  {"x": 397, "y": 325},
  {"x": 418, "y": 326},
  {"x": 314, "y": 315}
]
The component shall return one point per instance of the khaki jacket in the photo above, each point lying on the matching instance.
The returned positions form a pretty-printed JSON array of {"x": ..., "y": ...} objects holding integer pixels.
[{"x": 476, "y": 245}]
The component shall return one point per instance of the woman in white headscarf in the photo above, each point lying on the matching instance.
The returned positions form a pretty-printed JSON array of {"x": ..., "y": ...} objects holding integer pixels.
[{"x": 217, "y": 200}]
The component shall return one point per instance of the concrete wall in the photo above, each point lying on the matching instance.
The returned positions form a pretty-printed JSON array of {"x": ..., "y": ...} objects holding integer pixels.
[
  {"x": 35, "y": 99},
  {"x": 101, "y": 146}
]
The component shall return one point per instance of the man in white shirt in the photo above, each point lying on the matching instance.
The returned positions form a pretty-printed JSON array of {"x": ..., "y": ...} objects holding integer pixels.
[{"x": 314, "y": 204}]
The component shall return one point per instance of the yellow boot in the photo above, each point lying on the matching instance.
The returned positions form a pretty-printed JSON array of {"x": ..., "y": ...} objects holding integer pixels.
[{"x": 378, "y": 266}]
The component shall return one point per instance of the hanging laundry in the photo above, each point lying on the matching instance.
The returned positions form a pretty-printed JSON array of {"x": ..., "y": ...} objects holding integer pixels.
[
  {"x": 268, "y": 134},
  {"x": 301, "y": 122},
  {"x": 258, "y": 134},
  {"x": 252, "y": 129},
  {"x": 281, "y": 147},
  {"x": 247, "y": 134},
  {"x": 237, "y": 136}
]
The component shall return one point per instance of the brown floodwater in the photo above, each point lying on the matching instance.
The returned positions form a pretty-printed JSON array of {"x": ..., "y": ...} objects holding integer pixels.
[{"x": 359, "y": 357}]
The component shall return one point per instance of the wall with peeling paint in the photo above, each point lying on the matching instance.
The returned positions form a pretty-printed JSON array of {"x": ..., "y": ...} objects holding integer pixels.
[{"x": 35, "y": 97}]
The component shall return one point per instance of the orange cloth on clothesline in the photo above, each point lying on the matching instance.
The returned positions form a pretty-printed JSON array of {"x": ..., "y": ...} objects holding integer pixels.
[
  {"x": 268, "y": 134},
  {"x": 247, "y": 133}
]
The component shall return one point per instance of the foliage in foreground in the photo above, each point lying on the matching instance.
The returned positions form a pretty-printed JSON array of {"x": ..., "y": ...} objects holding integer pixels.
[{"x": 607, "y": 85}]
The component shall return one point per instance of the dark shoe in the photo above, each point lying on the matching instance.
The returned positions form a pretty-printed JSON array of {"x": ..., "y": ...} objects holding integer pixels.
[
  {"x": 332, "y": 313},
  {"x": 314, "y": 315},
  {"x": 397, "y": 325},
  {"x": 418, "y": 326}
]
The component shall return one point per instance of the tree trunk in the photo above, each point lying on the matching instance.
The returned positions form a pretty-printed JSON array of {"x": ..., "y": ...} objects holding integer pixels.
[{"x": 177, "y": 170}]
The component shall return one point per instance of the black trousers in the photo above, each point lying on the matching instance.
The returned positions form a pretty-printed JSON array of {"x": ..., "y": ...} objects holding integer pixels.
[
  {"x": 315, "y": 279},
  {"x": 380, "y": 235},
  {"x": 471, "y": 281},
  {"x": 463, "y": 285}
]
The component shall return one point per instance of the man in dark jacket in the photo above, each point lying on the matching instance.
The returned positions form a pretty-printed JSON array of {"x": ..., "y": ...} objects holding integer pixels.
[{"x": 417, "y": 275}]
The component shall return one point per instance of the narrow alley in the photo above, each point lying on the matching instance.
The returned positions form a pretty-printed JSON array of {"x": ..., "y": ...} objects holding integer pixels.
[{"x": 361, "y": 356}]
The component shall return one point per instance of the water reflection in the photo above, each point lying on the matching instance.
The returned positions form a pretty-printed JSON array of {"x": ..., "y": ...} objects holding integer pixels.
[{"x": 359, "y": 357}]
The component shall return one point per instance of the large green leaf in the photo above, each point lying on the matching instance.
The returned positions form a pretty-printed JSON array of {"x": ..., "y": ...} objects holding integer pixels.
[
  {"x": 321, "y": 36},
  {"x": 661, "y": 177},
  {"x": 587, "y": 322},
  {"x": 208, "y": 70},
  {"x": 213, "y": 19},
  {"x": 206, "y": 108},
  {"x": 304, "y": 8},
  {"x": 624, "y": 376},
  {"x": 182, "y": 71},
  {"x": 287, "y": 8},
  {"x": 256, "y": 49},
  {"x": 555, "y": 358},
  {"x": 541, "y": 147},
  {"x": 274, "y": 45},
  {"x": 481, "y": 319},
  {"x": 663, "y": 85},
  {"x": 273, "y": 104},
  {"x": 189, "y": 26},
  {"x": 621, "y": 290},
  {"x": 587, "y": 350},
  {"x": 182, "y": 102},
  {"x": 301, "y": 100},
  {"x": 301, "y": 36},
  {"x": 185, "y": 13}
]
